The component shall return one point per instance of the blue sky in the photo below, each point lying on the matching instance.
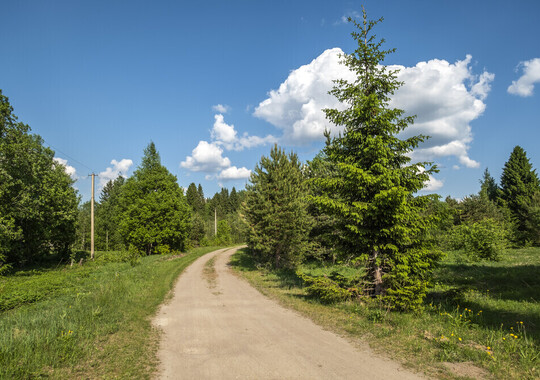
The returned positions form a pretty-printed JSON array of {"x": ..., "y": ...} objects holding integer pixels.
[{"x": 215, "y": 83}]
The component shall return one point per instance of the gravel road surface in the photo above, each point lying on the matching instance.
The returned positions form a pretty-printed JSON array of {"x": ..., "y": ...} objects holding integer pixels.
[{"x": 218, "y": 327}]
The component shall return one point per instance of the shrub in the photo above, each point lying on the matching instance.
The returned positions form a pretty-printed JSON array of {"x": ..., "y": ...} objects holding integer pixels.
[
  {"x": 483, "y": 240},
  {"x": 334, "y": 287},
  {"x": 163, "y": 249},
  {"x": 324, "y": 288}
]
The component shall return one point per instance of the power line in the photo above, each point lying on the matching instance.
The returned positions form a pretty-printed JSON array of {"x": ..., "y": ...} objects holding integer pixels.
[{"x": 68, "y": 156}]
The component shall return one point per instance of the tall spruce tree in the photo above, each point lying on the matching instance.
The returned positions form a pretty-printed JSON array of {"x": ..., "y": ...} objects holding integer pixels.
[
  {"x": 156, "y": 216},
  {"x": 193, "y": 199},
  {"x": 488, "y": 187},
  {"x": 202, "y": 199},
  {"x": 373, "y": 186},
  {"x": 276, "y": 210},
  {"x": 519, "y": 184}
]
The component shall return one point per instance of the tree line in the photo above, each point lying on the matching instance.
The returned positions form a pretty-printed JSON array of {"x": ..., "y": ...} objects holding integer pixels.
[
  {"x": 41, "y": 217},
  {"x": 150, "y": 213},
  {"x": 357, "y": 201}
]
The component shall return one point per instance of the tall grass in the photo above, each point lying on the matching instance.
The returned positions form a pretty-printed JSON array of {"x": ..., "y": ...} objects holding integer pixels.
[{"x": 89, "y": 321}]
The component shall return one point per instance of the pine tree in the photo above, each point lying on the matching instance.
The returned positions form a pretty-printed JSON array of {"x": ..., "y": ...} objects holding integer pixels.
[
  {"x": 234, "y": 200},
  {"x": 202, "y": 199},
  {"x": 192, "y": 198},
  {"x": 276, "y": 210},
  {"x": 156, "y": 216},
  {"x": 488, "y": 187},
  {"x": 108, "y": 216},
  {"x": 372, "y": 190},
  {"x": 519, "y": 184}
]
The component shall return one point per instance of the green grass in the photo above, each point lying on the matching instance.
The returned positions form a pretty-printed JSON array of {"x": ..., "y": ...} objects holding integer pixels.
[
  {"x": 89, "y": 321},
  {"x": 481, "y": 318}
]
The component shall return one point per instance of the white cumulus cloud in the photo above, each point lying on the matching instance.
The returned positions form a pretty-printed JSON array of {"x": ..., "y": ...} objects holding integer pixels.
[
  {"x": 295, "y": 107},
  {"x": 524, "y": 86},
  {"x": 70, "y": 170},
  {"x": 222, "y": 131},
  {"x": 446, "y": 98},
  {"x": 220, "y": 108},
  {"x": 433, "y": 184},
  {"x": 206, "y": 157},
  {"x": 234, "y": 173},
  {"x": 118, "y": 168},
  {"x": 225, "y": 135}
]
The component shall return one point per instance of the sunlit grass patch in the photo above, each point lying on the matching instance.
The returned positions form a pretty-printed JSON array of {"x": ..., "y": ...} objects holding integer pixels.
[{"x": 94, "y": 322}]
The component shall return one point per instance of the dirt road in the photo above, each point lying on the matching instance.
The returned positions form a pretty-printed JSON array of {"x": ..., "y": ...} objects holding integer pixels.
[{"x": 218, "y": 327}]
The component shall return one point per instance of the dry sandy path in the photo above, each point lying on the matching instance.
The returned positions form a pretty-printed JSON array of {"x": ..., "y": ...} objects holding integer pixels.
[{"x": 228, "y": 330}]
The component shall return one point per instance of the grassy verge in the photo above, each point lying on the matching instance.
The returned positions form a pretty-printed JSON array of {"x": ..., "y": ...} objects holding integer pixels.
[
  {"x": 481, "y": 320},
  {"x": 89, "y": 321}
]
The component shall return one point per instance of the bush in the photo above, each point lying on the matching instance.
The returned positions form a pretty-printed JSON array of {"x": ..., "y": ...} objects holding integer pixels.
[
  {"x": 483, "y": 240},
  {"x": 333, "y": 287}
]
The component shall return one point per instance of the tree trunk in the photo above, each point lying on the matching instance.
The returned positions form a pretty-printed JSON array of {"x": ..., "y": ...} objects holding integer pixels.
[{"x": 377, "y": 274}]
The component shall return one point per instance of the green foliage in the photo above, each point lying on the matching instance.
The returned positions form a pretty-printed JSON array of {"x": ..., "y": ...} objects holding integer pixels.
[
  {"x": 371, "y": 189},
  {"x": 332, "y": 284},
  {"x": 519, "y": 183},
  {"x": 488, "y": 188},
  {"x": 108, "y": 212},
  {"x": 154, "y": 209},
  {"x": 329, "y": 244},
  {"x": 239, "y": 229},
  {"x": 482, "y": 240},
  {"x": 195, "y": 198},
  {"x": 324, "y": 288},
  {"x": 223, "y": 236},
  {"x": 197, "y": 231},
  {"x": 82, "y": 240},
  {"x": 38, "y": 205},
  {"x": 475, "y": 208},
  {"x": 276, "y": 210},
  {"x": 532, "y": 223}
]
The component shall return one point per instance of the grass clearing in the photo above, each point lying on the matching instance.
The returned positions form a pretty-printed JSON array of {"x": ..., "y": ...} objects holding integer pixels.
[
  {"x": 480, "y": 320},
  {"x": 90, "y": 321}
]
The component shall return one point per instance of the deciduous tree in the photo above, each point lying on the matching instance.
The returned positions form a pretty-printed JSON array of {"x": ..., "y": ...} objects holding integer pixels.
[
  {"x": 155, "y": 213},
  {"x": 38, "y": 204}
]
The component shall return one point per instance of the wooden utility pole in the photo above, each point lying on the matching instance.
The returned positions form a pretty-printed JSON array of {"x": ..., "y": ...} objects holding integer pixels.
[{"x": 92, "y": 220}]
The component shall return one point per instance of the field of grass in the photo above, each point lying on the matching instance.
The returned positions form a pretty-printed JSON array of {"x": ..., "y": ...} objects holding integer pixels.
[
  {"x": 89, "y": 321},
  {"x": 481, "y": 320}
]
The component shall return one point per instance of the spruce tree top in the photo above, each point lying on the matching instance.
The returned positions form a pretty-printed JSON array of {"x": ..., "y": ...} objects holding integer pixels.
[
  {"x": 369, "y": 141},
  {"x": 151, "y": 159},
  {"x": 518, "y": 177}
]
